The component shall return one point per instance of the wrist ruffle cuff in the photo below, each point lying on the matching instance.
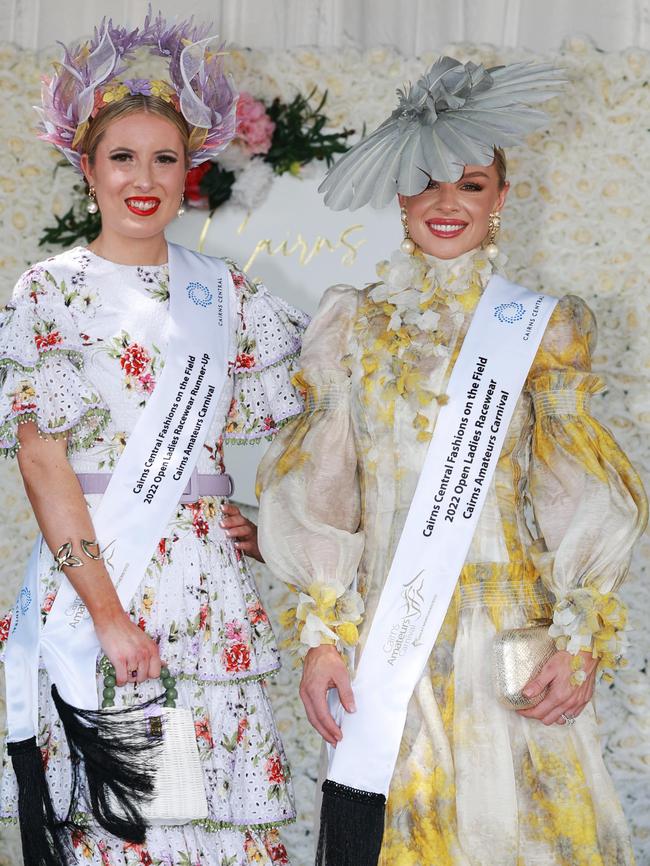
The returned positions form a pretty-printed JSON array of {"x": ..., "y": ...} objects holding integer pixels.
[
  {"x": 327, "y": 613},
  {"x": 586, "y": 620}
]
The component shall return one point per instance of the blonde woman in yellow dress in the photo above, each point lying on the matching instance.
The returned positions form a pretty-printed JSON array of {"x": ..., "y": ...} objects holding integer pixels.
[{"x": 473, "y": 783}]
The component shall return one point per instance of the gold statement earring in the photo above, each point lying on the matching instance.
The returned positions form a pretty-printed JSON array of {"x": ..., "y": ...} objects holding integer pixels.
[
  {"x": 408, "y": 244},
  {"x": 494, "y": 224},
  {"x": 92, "y": 206},
  {"x": 181, "y": 208}
]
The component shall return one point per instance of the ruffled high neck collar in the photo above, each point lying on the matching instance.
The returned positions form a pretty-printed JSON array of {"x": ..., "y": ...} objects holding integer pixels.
[
  {"x": 411, "y": 282},
  {"x": 455, "y": 275}
]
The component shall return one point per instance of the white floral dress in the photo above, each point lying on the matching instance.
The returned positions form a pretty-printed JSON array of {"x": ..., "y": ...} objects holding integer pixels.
[{"x": 81, "y": 347}]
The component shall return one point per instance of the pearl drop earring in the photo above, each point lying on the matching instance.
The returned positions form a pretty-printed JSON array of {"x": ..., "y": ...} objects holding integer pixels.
[
  {"x": 92, "y": 206},
  {"x": 181, "y": 209},
  {"x": 408, "y": 244},
  {"x": 494, "y": 224}
]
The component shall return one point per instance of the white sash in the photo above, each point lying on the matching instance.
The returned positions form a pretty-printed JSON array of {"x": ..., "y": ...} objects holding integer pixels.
[
  {"x": 143, "y": 492},
  {"x": 486, "y": 381}
]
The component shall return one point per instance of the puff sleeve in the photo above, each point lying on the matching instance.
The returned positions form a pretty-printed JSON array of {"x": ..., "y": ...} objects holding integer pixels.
[
  {"x": 588, "y": 501},
  {"x": 308, "y": 484},
  {"x": 41, "y": 368},
  {"x": 268, "y": 338}
]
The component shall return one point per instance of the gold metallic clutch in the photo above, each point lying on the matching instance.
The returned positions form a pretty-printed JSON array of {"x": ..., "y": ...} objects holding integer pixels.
[{"x": 519, "y": 655}]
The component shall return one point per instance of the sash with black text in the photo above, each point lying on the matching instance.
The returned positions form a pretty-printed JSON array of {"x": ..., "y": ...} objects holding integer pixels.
[
  {"x": 488, "y": 376},
  {"x": 141, "y": 497}
]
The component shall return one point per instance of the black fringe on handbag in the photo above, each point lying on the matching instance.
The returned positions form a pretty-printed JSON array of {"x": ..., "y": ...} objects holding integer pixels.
[
  {"x": 116, "y": 749},
  {"x": 40, "y": 832},
  {"x": 351, "y": 826}
]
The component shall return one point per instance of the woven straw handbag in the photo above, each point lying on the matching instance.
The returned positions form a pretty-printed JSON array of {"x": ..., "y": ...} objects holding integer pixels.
[{"x": 141, "y": 763}]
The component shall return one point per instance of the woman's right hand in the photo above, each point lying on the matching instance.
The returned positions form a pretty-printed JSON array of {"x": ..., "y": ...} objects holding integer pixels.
[
  {"x": 49, "y": 478},
  {"x": 128, "y": 648},
  {"x": 324, "y": 669}
]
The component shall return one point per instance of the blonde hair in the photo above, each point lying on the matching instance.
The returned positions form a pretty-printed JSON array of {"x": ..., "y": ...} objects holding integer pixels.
[
  {"x": 501, "y": 165},
  {"x": 132, "y": 105}
]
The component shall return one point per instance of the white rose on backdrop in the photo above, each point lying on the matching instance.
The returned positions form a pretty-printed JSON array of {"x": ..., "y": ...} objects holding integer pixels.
[{"x": 252, "y": 185}]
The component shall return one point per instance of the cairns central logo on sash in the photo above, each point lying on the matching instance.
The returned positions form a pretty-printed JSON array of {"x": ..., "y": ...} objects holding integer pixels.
[
  {"x": 510, "y": 313},
  {"x": 199, "y": 294}
]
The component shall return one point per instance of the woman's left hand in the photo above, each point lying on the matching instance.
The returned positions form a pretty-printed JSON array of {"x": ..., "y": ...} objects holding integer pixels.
[
  {"x": 241, "y": 530},
  {"x": 562, "y": 697}
]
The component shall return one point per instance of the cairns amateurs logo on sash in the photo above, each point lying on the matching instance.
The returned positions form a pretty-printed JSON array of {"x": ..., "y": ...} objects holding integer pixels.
[{"x": 404, "y": 632}]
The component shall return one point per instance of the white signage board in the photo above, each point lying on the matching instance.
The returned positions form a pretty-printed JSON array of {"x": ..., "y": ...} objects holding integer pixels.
[{"x": 298, "y": 248}]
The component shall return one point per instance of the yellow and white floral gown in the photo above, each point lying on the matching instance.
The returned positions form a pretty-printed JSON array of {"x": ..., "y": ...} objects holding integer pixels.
[{"x": 475, "y": 784}]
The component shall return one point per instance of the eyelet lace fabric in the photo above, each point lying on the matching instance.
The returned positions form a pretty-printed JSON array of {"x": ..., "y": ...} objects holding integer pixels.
[{"x": 82, "y": 346}]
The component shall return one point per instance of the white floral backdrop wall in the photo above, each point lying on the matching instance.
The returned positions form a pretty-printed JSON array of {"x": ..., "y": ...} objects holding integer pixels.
[{"x": 577, "y": 221}]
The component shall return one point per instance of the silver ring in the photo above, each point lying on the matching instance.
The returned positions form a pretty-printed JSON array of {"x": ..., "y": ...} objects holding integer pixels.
[{"x": 568, "y": 720}]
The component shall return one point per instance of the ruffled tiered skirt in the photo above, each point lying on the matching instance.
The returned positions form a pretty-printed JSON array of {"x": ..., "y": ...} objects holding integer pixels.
[{"x": 199, "y": 602}]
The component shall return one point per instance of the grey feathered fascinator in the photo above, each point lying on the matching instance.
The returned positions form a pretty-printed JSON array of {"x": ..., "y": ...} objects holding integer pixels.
[{"x": 454, "y": 115}]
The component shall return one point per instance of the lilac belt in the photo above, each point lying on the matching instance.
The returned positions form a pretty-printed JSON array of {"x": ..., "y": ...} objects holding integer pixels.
[{"x": 198, "y": 486}]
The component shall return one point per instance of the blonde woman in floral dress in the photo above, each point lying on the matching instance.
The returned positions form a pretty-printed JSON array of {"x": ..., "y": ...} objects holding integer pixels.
[
  {"x": 82, "y": 347},
  {"x": 475, "y": 784}
]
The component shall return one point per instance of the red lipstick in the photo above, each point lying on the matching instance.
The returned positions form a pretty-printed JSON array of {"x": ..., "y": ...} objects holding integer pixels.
[{"x": 143, "y": 205}]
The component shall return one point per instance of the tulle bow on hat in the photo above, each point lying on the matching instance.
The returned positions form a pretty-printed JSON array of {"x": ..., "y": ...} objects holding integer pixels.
[
  {"x": 454, "y": 115},
  {"x": 87, "y": 78}
]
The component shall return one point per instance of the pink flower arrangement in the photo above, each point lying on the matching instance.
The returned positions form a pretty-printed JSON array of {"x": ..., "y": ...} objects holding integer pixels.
[
  {"x": 147, "y": 383},
  {"x": 234, "y": 631},
  {"x": 254, "y": 127}
]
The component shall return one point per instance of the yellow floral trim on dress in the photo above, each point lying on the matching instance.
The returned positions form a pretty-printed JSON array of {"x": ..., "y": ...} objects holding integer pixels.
[
  {"x": 589, "y": 621},
  {"x": 397, "y": 358},
  {"x": 327, "y": 613}
]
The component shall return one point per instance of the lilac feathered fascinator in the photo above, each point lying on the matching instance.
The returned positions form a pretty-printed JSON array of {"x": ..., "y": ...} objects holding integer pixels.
[
  {"x": 88, "y": 77},
  {"x": 454, "y": 115}
]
